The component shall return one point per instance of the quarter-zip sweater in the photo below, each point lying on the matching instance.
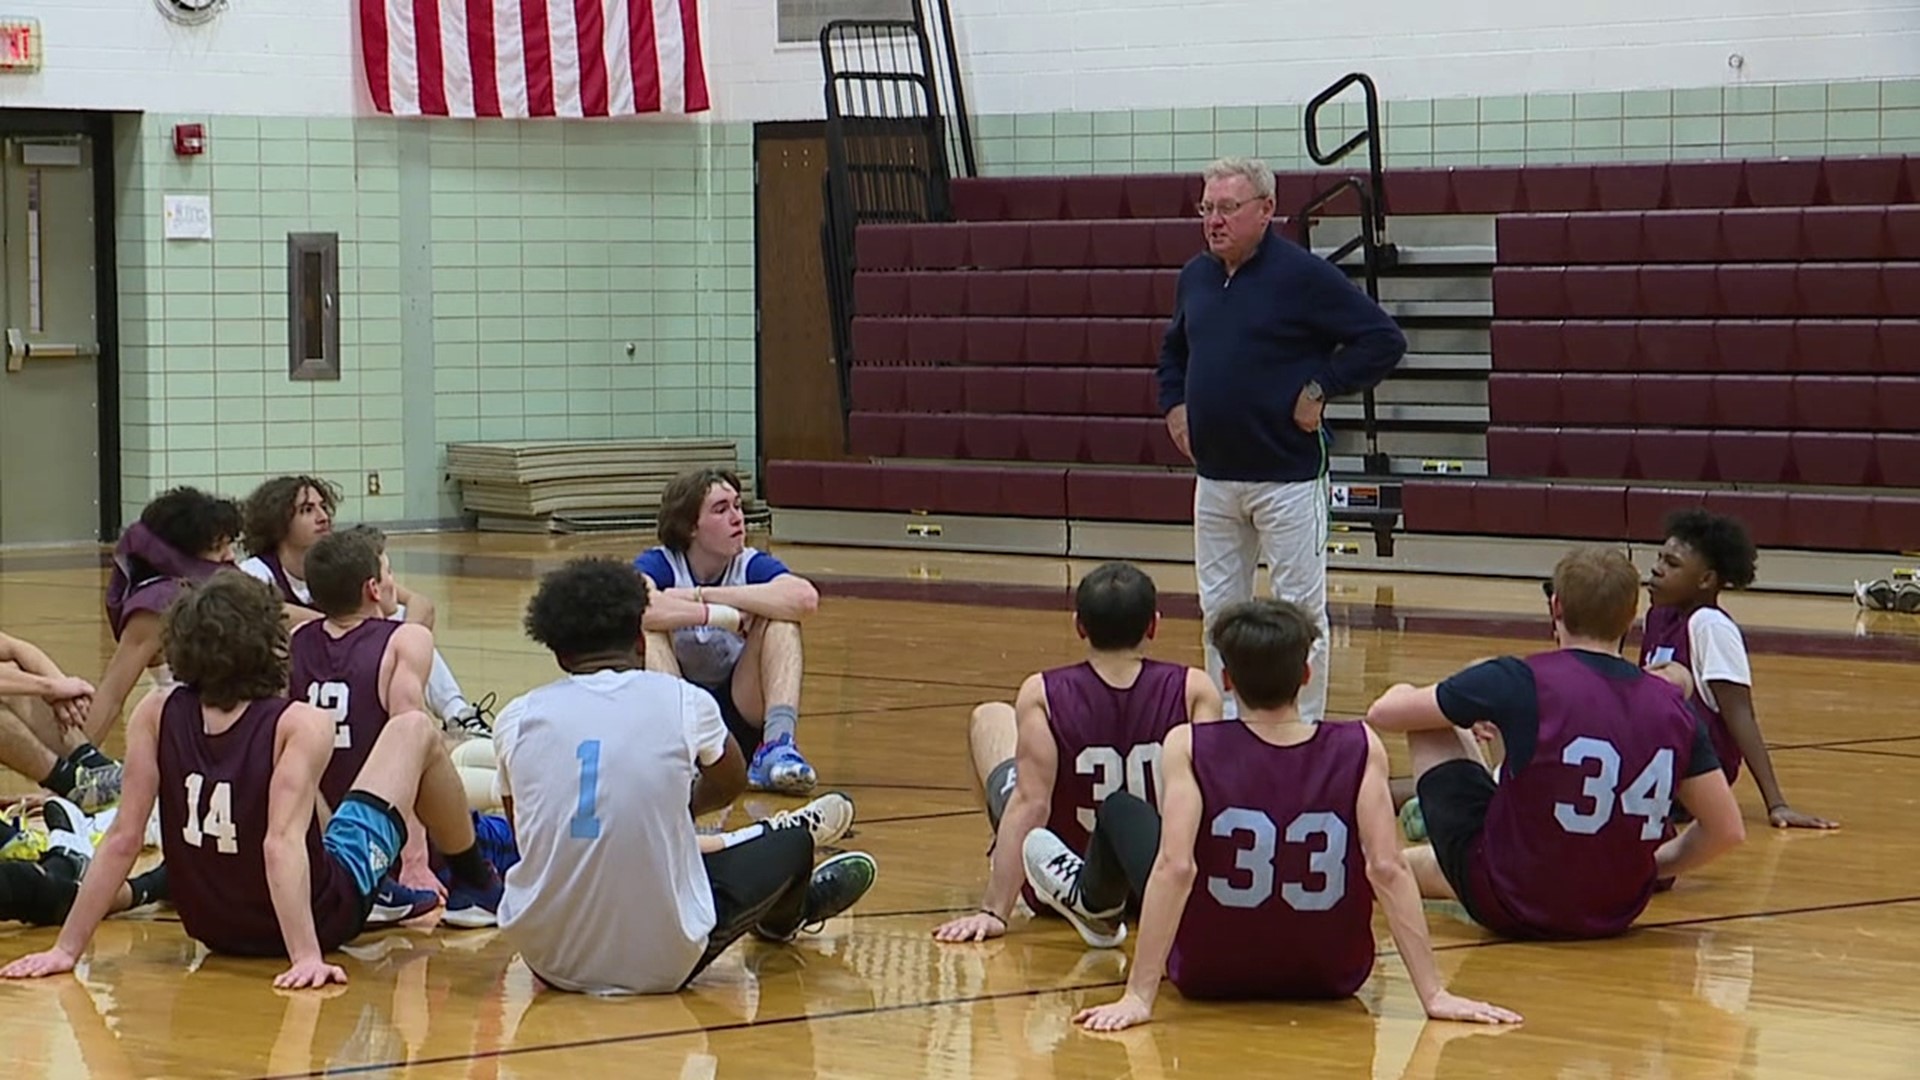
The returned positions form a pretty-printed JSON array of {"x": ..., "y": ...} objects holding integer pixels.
[{"x": 1239, "y": 350}]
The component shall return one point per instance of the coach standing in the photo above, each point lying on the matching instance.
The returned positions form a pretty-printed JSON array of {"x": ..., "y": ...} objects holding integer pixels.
[{"x": 1263, "y": 332}]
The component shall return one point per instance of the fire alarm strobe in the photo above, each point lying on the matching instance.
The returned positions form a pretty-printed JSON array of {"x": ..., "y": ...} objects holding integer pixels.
[
  {"x": 190, "y": 12},
  {"x": 189, "y": 139}
]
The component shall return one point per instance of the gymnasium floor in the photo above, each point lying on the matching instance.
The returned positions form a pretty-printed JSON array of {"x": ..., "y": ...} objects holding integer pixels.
[{"x": 1794, "y": 957}]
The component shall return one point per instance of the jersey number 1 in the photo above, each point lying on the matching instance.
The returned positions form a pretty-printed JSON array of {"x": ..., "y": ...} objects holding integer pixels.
[
  {"x": 219, "y": 817},
  {"x": 585, "y": 824}
]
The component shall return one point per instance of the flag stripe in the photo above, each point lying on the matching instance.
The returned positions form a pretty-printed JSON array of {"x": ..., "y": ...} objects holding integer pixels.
[{"x": 525, "y": 58}]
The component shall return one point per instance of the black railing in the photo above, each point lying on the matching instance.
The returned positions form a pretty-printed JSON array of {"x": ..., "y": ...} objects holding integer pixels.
[{"x": 1370, "y": 193}]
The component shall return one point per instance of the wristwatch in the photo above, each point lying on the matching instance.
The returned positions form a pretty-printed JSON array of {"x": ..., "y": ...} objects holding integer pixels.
[{"x": 1314, "y": 392}]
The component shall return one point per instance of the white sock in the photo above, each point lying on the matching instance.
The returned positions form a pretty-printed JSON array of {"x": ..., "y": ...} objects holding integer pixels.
[{"x": 444, "y": 698}]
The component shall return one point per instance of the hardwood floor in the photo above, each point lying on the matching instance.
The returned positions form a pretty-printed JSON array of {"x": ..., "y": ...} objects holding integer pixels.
[{"x": 1794, "y": 957}]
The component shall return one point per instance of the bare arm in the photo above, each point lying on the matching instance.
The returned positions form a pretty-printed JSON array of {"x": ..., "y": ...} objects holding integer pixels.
[
  {"x": 420, "y": 609},
  {"x": 1035, "y": 760},
  {"x": 670, "y": 610},
  {"x": 1408, "y": 708},
  {"x": 721, "y": 782},
  {"x": 113, "y": 859},
  {"x": 1203, "y": 698},
  {"x": 1717, "y": 828},
  {"x": 298, "y": 616},
  {"x": 1736, "y": 708},
  {"x": 305, "y": 738},
  {"x": 139, "y": 645},
  {"x": 787, "y": 598},
  {"x": 30, "y": 659},
  {"x": 1167, "y": 889},
  {"x": 409, "y": 658}
]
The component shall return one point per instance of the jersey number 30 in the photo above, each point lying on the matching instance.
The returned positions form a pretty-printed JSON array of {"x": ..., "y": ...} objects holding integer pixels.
[{"x": 1139, "y": 771}]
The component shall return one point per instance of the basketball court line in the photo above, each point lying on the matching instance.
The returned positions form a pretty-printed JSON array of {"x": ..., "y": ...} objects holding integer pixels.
[
  {"x": 915, "y": 680},
  {"x": 801, "y": 1018},
  {"x": 929, "y": 816},
  {"x": 1910, "y": 755},
  {"x": 1835, "y": 744}
]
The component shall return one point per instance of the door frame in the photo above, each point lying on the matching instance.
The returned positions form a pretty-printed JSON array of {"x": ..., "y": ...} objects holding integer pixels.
[
  {"x": 764, "y": 131},
  {"x": 97, "y": 129}
]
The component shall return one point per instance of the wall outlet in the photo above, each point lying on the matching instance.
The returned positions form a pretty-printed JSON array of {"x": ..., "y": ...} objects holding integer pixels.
[{"x": 373, "y": 483}]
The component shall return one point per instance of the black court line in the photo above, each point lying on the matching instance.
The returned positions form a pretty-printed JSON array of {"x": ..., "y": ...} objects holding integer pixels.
[
  {"x": 621, "y": 1040},
  {"x": 901, "y": 787},
  {"x": 1831, "y": 743},
  {"x": 1868, "y": 750},
  {"x": 914, "y": 911},
  {"x": 1007, "y": 694},
  {"x": 972, "y": 810},
  {"x": 871, "y": 709},
  {"x": 1702, "y": 920}
]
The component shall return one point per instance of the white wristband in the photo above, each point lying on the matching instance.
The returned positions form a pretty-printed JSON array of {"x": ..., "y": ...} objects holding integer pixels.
[{"x": 724, "y": 617}]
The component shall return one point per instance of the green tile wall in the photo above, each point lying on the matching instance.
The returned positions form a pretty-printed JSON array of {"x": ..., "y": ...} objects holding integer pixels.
[{"x": 527, "y": 254}]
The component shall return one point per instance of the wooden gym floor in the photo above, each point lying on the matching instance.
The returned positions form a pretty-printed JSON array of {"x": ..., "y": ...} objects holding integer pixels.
[{"x": 1794, "y": 957}]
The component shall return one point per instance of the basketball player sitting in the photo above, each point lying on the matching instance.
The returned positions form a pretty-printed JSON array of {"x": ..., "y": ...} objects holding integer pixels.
[
  {"x": 363, "y": 668},
  {"x": 612, "y": 893},
  {"x": 251, "y": 868},
  {"x": 43, "y": 714},
  {"x": 184, "y": 535},
  {"x": 41, "y": 892},
  {"x": 285, "y": 518},
  {"x": 1074, "y": 737},
  {"x": 1687, "y": 630},
  {"x": 1287, "y": 826},
  {"x": 727, "y": 618},
  {"x": 1568, "y": 843}
]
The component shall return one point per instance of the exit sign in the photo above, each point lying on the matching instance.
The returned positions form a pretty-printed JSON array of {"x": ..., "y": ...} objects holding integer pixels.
[{"x": 19, "y": 44}]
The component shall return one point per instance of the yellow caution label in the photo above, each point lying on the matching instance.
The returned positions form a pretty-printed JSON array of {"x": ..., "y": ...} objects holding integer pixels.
[
  {"x": 923, "y": 530},
  {"x": 1438, "y": 467}
]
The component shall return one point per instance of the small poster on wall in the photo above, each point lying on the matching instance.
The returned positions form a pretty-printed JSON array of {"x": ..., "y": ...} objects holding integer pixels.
[{"x": 189, "y": 217}]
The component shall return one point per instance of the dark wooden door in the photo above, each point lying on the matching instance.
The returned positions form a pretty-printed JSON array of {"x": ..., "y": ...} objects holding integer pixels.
[{"x": 798, "y": 380}]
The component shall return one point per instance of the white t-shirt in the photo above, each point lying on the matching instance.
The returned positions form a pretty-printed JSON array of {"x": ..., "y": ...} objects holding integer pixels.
[
  {"x": 611, "y": 894},
  {"x": 1718, "y": 651},
  {"x": 257, "y": 567}
]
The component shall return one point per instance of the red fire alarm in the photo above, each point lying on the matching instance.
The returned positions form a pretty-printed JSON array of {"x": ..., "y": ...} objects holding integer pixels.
[{"x": 189, "y": 139}]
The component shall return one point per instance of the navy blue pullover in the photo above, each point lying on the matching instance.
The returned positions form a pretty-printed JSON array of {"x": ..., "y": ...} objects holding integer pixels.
[{"x": 1239, "y": 351}]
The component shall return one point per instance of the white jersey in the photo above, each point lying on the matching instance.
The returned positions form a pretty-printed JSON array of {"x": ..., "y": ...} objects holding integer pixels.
[
  {"x": 707, "y": 654},
  {"x": 256, "y": 567},
  {"x": 610, "y": 894}
]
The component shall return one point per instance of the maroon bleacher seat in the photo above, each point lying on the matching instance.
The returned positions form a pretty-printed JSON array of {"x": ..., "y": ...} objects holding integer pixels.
[
  {"x": 1834, "y": 403},
  {"x": 936, "y": 341},
  {"x": 1753, "y": 401},
  {"x": 1529, "y": 292},
  {"x": 905, "y": 488},
  {"x": 1054, "y": 438},
  {"x": 1115, "y": 392},
  {"x": 996, "y": 293},
  {"x": 1836, "y": 345},
  {"x": 991, "y": 438},
  {"x": 879, "y": 341},
  {"x": 1903, "y": 232},
  {"x": 1089, "y": 198},
  {"x": 1059, "y": 294},
  {"x": 1842, "y": 233},
  {"x": 1052, "y": 390},
  {"x": 1898, "y": 456},
  {"x": 1419, "y": 191},
  {"x": 1595, "y": 453},
  {"x": 1758, "y": 290},
  {"x": 1751, "y": 457},
  {"x": 1648, "y": 507},
  {"x": 1673, "y": 454},
  {"x": 1770, "y": 234},
  {"x": 1523, "y": 398},
  {"x": 1031, "y": 492},
  {"x": 1602, "y": 239},
  {"x": 1833, "y": 458},
  {"x": 798, "y": 484},
  {"x": 1764, "y": 513},
  {"x": 1686, "y": 291},
  {"x": 1114, "y": 440},
  {"x": 1601, "y": 291},
  {"x": 1638, "y": 186},
  {"x": 1160, "y": 447},
  {"x": 1120, "y": 245},
  {"x": 1121, "y": 343},
  {"x": 1162, "y": 195},
  {"x": 999, "y": 245},
  {"x": 1896, "y": 523},
  {"x": 1059, "y": 245},
  {"x": 939, "y": 246},
  {"x": 996, "y": 389},
  {"x": 883, "y": 247},
  {"x": 996, "y": 341},
  {"x": 976, "y": 198},
  {"x": 1861, "y": 181},
  {"x": 932, "y": 435},
  {"x": 1103, "y": 495},
  {"x": 1166, "y": 288},
  {"x": 1599, "y": 346},
  {"x": 1782, "y": 181},
  {"x": 1840, "y": 289},
  {"x": 879, "y": 389},
  {"x": 1896, "y": 404},
  {"x": 880, "y": 294},
  {"x": 1674, "y": 401},
  {"x": 1703, "y": 184},
  {"x": 1900, "y": 347},
  {"x": 1900, "y": 284},
  {"x": 1557, "y": 187},
  {"x": 1527, "y": 346},
  {"x": 1176, "y": 241},
  {"x": 1122, "y": 293},
  {"x": 1676, "y": 346},
  {"x": 1437, "y": 506},
  {"x": 1055, "y": 341},
  {"x": 1597, "y": 400},
  {"x": 1531, "y": 239},
  {"x": 1681, "y": 236},
  {"x": 1487, "y": 191},
  {"x": 1509, "y": 509},
  {"x": 1826, "y": 522},
  {"x": 1587, "y": 511},
  {"x": 1032, "y": 198},
  {"x": 875, "y": 434},
  {"x": 1743, "y": 345},
  {"x": 1523, "y": 451}
]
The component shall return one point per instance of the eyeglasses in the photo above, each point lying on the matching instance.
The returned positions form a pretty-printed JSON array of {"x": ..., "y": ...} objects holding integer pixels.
[{"x": 1225, "y": 207}]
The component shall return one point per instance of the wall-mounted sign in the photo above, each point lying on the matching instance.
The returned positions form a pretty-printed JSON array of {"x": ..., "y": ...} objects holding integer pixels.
[{"x": 19, "y": 44}]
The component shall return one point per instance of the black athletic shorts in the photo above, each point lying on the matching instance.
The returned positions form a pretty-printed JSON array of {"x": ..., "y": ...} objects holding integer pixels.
[{"x": 1454, "y": 797}]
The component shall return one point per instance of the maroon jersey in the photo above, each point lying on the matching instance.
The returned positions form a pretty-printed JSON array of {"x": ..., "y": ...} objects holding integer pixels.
[
  {"x": 1281, "y": 906},
  {"x": 213, "y": 830},
  {"x": 342, "y": 675},
  {"x": 1667, "y": 639},
  {"x": 283, "y": 583},
  {"x": 1108, "y": 739},
  {"x": 1570, "y": 836}
]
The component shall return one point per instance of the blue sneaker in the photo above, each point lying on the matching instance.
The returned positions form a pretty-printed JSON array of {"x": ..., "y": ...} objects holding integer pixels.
[
  {"x": 470, "y": 907},
  {"x": 779, "y": 766},
  {"x": 495, "y": 838},
  {"x": 394, "y": 903}
]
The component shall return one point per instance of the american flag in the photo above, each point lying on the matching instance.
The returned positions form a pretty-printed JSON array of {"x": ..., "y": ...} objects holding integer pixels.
[{"x": 519, "y": 58}]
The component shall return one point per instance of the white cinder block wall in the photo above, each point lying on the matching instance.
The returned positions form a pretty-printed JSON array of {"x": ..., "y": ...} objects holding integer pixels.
[{"x": 1040, "y": 56}]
